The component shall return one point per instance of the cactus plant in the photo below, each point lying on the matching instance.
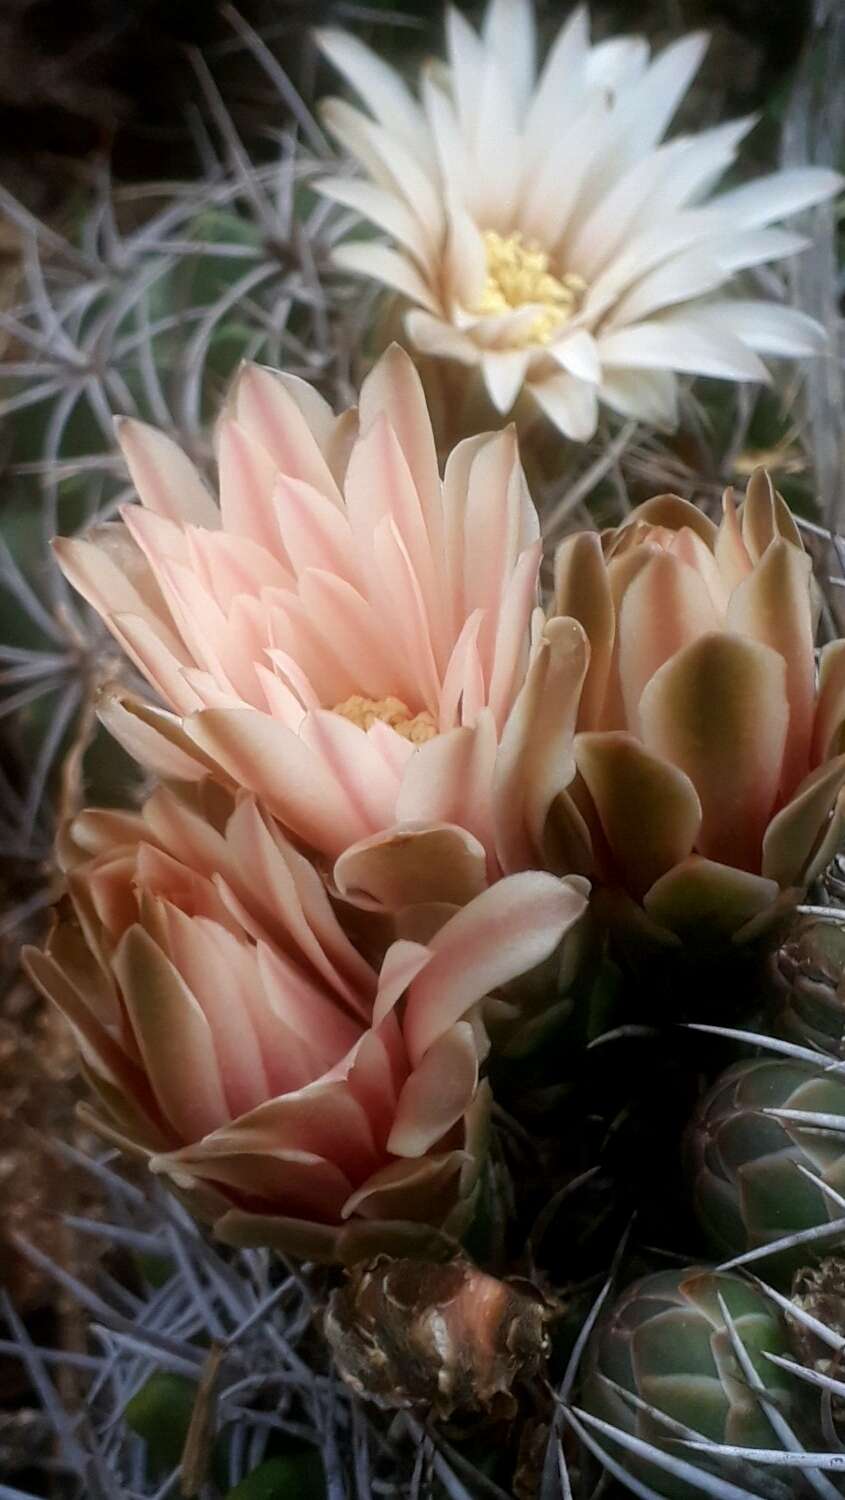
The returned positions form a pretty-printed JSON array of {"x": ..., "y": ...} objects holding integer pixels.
[
  {"x": 809, "y": 969},
  {"x": 764, "y": 1167},
  {"x": 146, "y": 304},
  {"x": 669, "y": 1359}
]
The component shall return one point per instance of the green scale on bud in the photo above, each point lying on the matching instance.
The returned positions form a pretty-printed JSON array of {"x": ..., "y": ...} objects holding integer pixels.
[
  {"x": 745, "y": 1162},
  {"x": 666, "y": 1342}
]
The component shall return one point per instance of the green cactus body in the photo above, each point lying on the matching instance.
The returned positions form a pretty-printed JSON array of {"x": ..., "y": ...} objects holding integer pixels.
[
  {"x": 744, "y": 1164},
  {"x": 810, "y": 974},
  {"x": 292, "y": 1478},
  {"x": 666, "y": 1341}
]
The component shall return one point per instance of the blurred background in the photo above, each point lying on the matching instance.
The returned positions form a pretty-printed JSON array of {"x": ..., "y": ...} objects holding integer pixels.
[{"x": 157, "y": 225}]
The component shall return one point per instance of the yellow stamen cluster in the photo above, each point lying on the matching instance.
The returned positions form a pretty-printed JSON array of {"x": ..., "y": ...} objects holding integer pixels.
[
  {"x": 366, "y": 711},
  {"x": 518, "y": 274}
]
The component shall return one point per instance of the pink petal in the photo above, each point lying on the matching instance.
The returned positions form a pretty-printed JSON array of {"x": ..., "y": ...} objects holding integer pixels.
[
  {"x": 154, "y": 738},
  {"x": 665, "y": 607},
  {"x": 230, "y": 565},
  {"x": 164, "y": 477},
  {"x": 450, "y": 780},
  {"x": 247, "y": 480},
  {"x": 674, "y": 513},
  {"x": 117, "y": 580},
  {"x": 393, "y": 387},
  {"x": 582, "y": 591},
  {"x": 266, "y": 409},
  {"x": 701, "y": 899},
  {"x": 764, "y": 516},
  {"x": 718, "y": 710},
  {"x": 412, "y": 863},
  {"x": 403, "y": 961},
  {"x": 324, "y": 1119},
  {"x": 830, "y": 708},
  {"x": 297, "y": 1183},
  {"x": 493, "y": 530},
  {"x": 308, "y": 638},
  {"x": 152, "y": 656},
  {"x": 362, "y": 778},
  {"x": 455, "y": 485},
  {"x": 688, "y": 547},
  {"x": 299, "y": 787},
  {"x": 502, "y": 934},
  {"x": 535, "y": 759},
  {"x": 731, "y": 552},
  {"x": 648, "y": 809},
  {"x": 773, "y": 606},
  {"x": 206, "y": 956},
  {"x": 403, "y": 600},
  {"x": 511, "y": 643},
  {"x": 460, "y": 672},
  {"x": 374, "y": 659},
  {"x": 285, "y": 892},
  {"x": 173, "y": 1035},
  {"x": 371, "y": 1081},
  {"x": 98, "y": 1047},
  {"x": 315, "y": 530},
  {"x": 795, "y": 833},
  {"x": 437, "y": 1093},
  {"x": 304, "y": 1007},
  {"x": 409, "y": 1189}
]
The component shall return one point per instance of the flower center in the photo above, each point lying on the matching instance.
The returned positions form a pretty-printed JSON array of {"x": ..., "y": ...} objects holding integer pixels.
[
  {"x": 366, "y": 711},
  {"x": 518, "y": 274}
]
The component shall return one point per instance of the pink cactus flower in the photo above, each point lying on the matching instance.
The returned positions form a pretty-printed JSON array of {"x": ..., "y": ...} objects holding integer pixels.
[
  {"x": 235, "y": 1038},
  {"x": 709, "y": 753},
  {"x": 347, "y": 635}
]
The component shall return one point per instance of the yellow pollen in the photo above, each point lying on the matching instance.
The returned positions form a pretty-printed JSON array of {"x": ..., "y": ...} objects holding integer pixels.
[
  {"x": 518, "y": 274},
  {"x": 367, "y": 711}
]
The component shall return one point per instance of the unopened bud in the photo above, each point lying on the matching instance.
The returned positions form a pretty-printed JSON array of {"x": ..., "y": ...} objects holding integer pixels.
[
  {"x": 820, "y": 1291},
  {"x": 810, "y": 969},
  {"x": 407, "y": 1333}
]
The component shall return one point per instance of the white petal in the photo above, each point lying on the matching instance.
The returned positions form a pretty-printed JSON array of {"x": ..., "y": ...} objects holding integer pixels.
[
  {"x": 578, "y": 354},
  {"x": 646, "y": 249},
  {"x": 691, "y": 274},
  {"x": 684, "y": 343},
  {"x": 380, "y": 87},
  {"x": 432, "y": 335},
  {"x": 449, "y": 141},
  {"x": 570, "y": 403},
  {"x": 560, "y": 86},
  {"x": 618, "y": 63},
  {"x": 510, "y": 32},
  {"x": 503, "y": 375},
  {"x": 646, "y": 395},
  {"x": 551, "y": 185},
  {"x": 466, "y": 61},
  {"x": 757, "y": 203},
  {"x": 646, "y": 109},
  {"x": 381, "y": 207},
  {"x": 753, "y": 247},
  {"x": 770, "y": 328},
  {"x": 465, "y": 259},
  {"x": 695, "y": 162},
  {"x": 388, "y": 162},
  {"x": 387, "y": 266}
]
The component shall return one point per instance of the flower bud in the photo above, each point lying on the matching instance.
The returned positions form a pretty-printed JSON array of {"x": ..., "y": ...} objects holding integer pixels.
[
  {"x": 810, "y": 975},
  {"x": 448, "y": 1337},
  {"x": 708, "y": 745}
]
